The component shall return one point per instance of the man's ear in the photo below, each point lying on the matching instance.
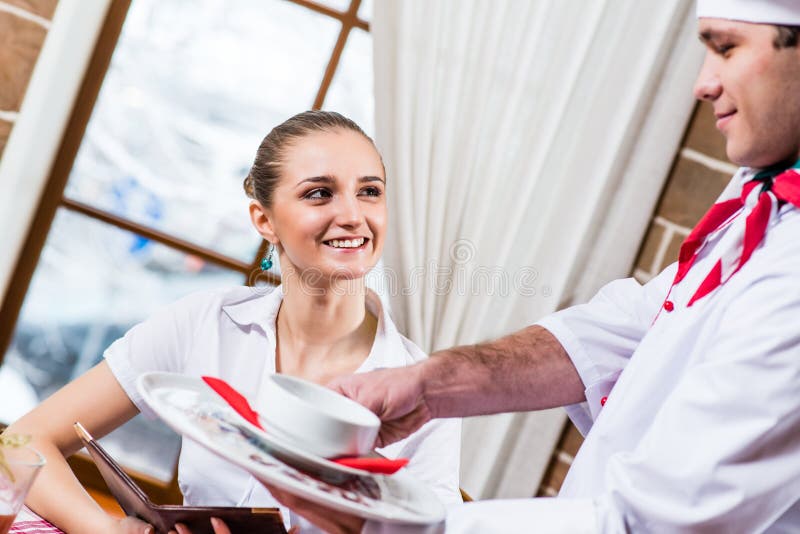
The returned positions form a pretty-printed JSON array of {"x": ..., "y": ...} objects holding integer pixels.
[{"x": 261, "y": 218}]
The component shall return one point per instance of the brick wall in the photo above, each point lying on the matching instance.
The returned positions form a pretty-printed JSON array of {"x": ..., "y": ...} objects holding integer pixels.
[
  {"x": 23, "y": 27},
  {"x": 699, "y": 174}
]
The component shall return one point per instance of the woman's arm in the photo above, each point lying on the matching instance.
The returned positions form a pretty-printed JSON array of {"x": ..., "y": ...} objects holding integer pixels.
[{"x": 98, "y": 401}]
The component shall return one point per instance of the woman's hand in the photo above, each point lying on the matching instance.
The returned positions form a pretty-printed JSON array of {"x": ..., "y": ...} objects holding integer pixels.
[
  {"x": 217, "y": 524},
  {"x": 132, "y": 525}
]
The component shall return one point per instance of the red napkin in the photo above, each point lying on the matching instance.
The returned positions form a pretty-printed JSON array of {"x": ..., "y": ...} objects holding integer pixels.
[
  {"x": 384, "y": 466},
  {"x": 239, "y": 403},
  {"x": 236, "y": 400}
]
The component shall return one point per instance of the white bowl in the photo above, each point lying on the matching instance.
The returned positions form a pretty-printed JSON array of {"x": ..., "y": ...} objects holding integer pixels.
[{"x": 316, "y": 419}]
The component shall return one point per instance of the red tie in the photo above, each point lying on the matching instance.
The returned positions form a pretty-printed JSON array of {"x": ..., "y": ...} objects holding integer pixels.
[{"x": 780, "y": 188}]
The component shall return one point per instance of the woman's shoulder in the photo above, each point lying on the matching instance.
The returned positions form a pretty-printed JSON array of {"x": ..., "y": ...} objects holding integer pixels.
[
  {"x": 212, "y": 302},
  {"x": 403, "y": 351},
  {"x": 206, "y": 298},
  {"x": 400, "y": 350},
  {"x": 414, "y": 351}
]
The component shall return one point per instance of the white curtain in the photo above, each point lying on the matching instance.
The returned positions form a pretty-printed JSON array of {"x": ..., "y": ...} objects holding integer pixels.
[{"x": 517, "y": 136}]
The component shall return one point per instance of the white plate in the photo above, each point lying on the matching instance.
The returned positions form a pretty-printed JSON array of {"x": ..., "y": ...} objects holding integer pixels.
[{"x": 190, "y": 407}]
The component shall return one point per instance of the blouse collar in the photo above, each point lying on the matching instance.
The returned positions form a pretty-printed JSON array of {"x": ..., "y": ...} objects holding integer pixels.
[{"x": 259, "y": 307}]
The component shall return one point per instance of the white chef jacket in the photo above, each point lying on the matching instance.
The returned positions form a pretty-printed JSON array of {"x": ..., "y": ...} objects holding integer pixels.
[
  {"x": 701, "y": 428},
  {"x": 231, "y": 334}
]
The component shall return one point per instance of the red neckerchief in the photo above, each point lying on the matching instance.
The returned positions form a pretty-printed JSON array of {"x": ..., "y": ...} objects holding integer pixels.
[{"x": 777, "y": 188}]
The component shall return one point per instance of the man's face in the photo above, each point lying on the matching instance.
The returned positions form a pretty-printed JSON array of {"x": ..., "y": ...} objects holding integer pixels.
[{"x": 755, "y": 91}]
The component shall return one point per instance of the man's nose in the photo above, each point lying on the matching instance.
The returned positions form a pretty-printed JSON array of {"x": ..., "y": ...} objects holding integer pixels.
[{"x": 708, "y": 86}]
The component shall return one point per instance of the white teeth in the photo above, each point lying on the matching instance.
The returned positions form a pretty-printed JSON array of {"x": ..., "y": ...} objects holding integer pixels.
[{"x": 346, "y": 243}]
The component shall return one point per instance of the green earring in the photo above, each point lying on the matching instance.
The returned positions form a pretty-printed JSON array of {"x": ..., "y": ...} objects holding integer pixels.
[{"x": 266, "y": 262}]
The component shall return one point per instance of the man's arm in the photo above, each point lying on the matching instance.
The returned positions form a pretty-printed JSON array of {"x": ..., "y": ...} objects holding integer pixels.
[{"x": 526, "y": 370}]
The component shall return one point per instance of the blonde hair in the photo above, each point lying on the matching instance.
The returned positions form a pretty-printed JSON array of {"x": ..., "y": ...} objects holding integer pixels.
[{"x": 265, "y": 173}]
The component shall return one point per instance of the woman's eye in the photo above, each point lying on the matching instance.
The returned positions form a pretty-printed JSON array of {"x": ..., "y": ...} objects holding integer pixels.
[
  {"x": 317, "y": 194},
  {"x": 371, "y": 191}
]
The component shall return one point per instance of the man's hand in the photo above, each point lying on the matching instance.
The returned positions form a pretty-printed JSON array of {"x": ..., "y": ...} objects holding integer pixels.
[
  {"x": 397, "y": 396},
  {"x": 325, "y": 518},
  {"x": 523, "y": 371}
]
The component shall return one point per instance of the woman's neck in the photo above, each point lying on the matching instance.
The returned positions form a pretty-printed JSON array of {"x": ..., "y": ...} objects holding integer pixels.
[{"x": 323, "y": 331}]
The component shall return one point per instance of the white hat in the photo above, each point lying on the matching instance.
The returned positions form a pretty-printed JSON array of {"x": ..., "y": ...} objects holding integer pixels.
[{"x": 783, "y": 12}]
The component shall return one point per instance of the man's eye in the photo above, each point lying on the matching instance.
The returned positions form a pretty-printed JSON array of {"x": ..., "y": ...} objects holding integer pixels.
[
  {"x": 317, "y": 194},
  {"x": 724, "y": 49},
  {"x": 371, "y": 191}
]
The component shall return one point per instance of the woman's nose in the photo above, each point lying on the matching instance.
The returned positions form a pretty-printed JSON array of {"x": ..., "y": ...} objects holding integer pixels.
[
  {"x": 348, "y": 212},
  {"x": 708, "y": 85}
]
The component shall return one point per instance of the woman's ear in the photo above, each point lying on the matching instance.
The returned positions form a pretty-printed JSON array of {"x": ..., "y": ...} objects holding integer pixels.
[{"x": 261, "y": 218}]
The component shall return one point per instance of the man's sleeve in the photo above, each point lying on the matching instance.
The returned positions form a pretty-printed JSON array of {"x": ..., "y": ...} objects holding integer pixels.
[
  {"x": 723, "y": 450},
  {"x": 601, "y": 335},
  {"x": 721, "y": 454},
  {"x": 507, "y": 516}
]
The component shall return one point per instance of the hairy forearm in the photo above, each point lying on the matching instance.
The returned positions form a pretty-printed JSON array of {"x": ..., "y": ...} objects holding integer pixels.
[{"x": 526, "y": 370}]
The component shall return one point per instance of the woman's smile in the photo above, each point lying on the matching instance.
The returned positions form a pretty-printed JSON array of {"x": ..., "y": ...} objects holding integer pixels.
[{"x": 347, "y": 244}]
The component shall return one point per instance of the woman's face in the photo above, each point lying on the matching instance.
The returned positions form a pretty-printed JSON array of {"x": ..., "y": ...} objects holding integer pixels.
[{"x": 328, "y": 214}]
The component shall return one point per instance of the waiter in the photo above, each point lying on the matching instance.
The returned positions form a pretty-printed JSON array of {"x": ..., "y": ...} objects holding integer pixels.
[{"x": 687, "y": 388}]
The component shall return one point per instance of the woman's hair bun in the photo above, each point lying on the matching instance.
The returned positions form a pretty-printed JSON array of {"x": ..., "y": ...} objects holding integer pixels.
[{"x": 250, "y": 186}]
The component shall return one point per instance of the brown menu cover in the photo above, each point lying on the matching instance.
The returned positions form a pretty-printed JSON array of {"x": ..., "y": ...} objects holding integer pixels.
[{"x": 134, "y": 502}]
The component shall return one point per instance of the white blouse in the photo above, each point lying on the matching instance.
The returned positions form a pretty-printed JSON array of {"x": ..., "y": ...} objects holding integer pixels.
[{"x": 230, "y": 334}]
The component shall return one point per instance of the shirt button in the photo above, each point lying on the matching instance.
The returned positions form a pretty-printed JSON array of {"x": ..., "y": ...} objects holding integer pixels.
[
  {"x": 669, "y": 306},
  {"x": 603, "y": 401}
]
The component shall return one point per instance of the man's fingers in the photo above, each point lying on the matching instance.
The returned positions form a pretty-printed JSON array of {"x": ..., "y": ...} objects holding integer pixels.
[{"x": 320, "y": 515}]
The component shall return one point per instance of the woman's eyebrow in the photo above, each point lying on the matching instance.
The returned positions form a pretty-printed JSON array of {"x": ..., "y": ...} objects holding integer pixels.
[
  {"x": 330, "y": 180},
  {"x": 316, "y": 180}
]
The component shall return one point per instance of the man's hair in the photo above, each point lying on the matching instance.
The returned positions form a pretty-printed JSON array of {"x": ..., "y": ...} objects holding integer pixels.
[{"x": 787, "y": 37}]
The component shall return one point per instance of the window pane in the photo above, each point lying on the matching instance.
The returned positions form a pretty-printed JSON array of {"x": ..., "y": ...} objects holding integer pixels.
[
  {"x": 94, "y": 282},
  {"x": 351, "y": 91},
  {"x": 192, "y": 89},
  {"x": 365, "y": 10}
]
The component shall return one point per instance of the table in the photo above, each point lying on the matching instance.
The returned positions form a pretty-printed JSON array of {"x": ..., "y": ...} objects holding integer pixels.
[{"x": 28, "y": 522}]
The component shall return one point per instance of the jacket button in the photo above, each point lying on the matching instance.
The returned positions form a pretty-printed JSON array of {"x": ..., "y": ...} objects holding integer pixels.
[
  {"x": 669, "y": 306},
  {"x": 603, "y": 401}
]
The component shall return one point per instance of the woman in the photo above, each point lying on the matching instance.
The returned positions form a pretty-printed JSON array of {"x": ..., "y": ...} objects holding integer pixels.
[{"x": 318, "y": 190}]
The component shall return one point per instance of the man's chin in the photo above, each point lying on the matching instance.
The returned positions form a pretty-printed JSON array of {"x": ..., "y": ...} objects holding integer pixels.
[
  {"x": 745, "y": 156},
  {"x": 762, "y": 159}
]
